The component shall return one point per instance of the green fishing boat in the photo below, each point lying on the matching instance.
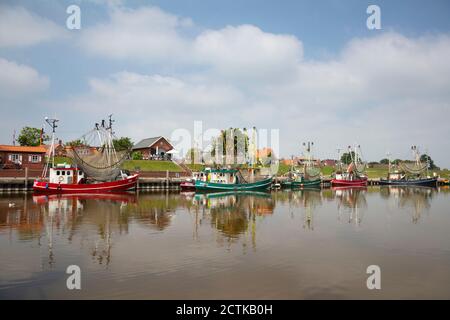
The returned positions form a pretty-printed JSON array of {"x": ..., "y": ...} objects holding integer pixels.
[
  {"x": 301, "y": 182},
  {"x": 232, "y": 180},
  {"x": 309, "y": 177}
]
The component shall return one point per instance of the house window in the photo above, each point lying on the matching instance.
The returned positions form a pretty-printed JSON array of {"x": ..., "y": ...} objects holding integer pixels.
[
  {"x": 34, "y": 158},
  {"x": 15, "y": 157}
]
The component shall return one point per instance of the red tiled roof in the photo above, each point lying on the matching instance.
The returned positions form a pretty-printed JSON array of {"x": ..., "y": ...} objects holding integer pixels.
[{"x": 37, "y": 149}]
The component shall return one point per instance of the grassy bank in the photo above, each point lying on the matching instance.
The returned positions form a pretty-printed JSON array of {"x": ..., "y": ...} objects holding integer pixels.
[
  {"x": 151, "y": 165},
  {"x": 143, "y": 165}
]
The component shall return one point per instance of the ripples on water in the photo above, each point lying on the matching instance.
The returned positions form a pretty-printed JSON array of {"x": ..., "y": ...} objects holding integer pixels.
[{"x": 284, "y": 244}]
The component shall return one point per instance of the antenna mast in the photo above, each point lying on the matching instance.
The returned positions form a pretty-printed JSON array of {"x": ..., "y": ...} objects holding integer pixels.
[{"x": 52, "y": 124}]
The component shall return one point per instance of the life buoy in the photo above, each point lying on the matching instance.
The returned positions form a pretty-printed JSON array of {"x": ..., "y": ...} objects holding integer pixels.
[{"x": 60, "y": 178}]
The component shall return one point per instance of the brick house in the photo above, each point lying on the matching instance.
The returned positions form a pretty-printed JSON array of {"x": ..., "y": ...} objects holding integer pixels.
[
  {"x": 329, "y": 162},
  {"x": 62, "y": 150},
  {"x": 18, "y": 157},
  {"x": 155, "y": 148}
]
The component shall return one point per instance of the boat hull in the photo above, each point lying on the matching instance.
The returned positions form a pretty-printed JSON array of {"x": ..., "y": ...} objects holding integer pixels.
[
  {"x": 187, "y": 186},
  {"x": 302, "y": 184},
  {"x": 114, "y": 186},
  {"x": 428, "y": 182},
  {"x": 349, "y": 183},
  {"x": 211, "y": 186}
]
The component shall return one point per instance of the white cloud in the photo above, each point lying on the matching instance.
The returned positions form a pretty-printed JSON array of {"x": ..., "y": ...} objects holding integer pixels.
[
  {"x": 246, "y": 51},
  {"x": 20, "y": 28},
  {"x": 147, "y": 34},
  {"x": 154, "y": 36},
  {"x": 18, "y": 81}
]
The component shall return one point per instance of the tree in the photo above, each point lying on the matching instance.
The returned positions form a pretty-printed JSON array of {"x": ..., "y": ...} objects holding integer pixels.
[
  {"x": 32, "y": 136},
  {"x": 193, "y": 155},
  {"x": 75, "y": 143},
  {"x": 425, "y": 158},
  {"x": 347, "y": 157},
  {"x": 384, "y": 161},
  {"x": 137, "y": 155},
  {"x": 122, "y": 144},
  {"x": 238, "y": 146}
]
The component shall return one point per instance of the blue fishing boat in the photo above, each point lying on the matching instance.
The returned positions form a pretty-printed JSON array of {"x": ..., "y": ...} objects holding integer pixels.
[
  {"x": 425, "y": 182},
  {"x": 413, "y": 173}
]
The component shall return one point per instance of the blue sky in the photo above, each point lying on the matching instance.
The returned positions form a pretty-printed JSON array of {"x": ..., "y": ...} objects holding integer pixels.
[{"x": 308, "y": 68}]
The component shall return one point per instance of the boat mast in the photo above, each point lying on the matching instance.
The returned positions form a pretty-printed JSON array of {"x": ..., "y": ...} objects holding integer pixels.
[
  {"x": 308, "y": 147},
  {"x": 388, "y": 154},
  {"x": 52, "y": 124},
  {"x": 416, "y": 156},
  {"x": 339, "y": 159}
]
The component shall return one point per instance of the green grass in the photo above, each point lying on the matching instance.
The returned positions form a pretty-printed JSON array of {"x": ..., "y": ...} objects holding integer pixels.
[
  {"x": 326, "y": 171},
  {"x": 284, "y": 168},
  {"x": 63, "y": 160},
  {"x": 151, "y": 165},
  {"x": 195, "y": 167}
]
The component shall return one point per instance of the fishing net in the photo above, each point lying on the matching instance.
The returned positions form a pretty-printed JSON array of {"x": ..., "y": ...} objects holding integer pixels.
[
  {"x": 360, "y": 168},
  {"x": 96, "y": 155},
  {"x": 98, "y": 165},
  {"x": 312, "y": 172},
  {"x": 413, "y": 168}
]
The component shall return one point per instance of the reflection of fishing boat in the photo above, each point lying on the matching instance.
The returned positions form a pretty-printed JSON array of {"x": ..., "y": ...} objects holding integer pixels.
[
  {"x": 110, "y": 196},
  {"x": 410, "y": 174},
  {"x": 96, "y": 170},
  {"x": 352, "y": 200},
  {"x": 354, "y": 175},
  {"x": 417, "y": 198},
  {"x": 231, "y": 179},
  {"x": 233, "y": 193},
  {"x": 309, "y": 178}
]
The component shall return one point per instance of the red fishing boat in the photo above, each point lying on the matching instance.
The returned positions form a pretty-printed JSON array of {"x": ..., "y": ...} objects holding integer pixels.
[
  {"x": 354, "y": 175},
  {"x": 95, "y": 169},
  {"x": 76, "y": 185},
  {"x": 343, "y": 181},
  {"x": 189, "y": 184}
]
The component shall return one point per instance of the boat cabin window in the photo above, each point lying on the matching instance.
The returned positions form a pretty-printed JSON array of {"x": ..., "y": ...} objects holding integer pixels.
[
  {"x": 63, "y": 173},
  {"x": 68, "y": 173},
  {"x": 57, "y": 173}
]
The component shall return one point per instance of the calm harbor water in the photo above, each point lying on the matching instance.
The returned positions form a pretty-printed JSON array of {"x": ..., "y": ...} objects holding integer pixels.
[{"x": 279, "y": 245}]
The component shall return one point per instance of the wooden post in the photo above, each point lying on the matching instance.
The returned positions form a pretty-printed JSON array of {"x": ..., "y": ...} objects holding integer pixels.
[
  {"x": 167, "y": 179},
  {"x": 26, "y": 178},
  {"x": 137, "y": 184}
]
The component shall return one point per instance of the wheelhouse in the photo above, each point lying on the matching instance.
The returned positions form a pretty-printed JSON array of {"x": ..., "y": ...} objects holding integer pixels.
[
  {"x": 65, "y": 174},
  {"x": 228, "y": 176}
]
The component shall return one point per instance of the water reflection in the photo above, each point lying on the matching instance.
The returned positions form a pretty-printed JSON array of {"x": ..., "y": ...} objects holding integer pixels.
[
  {"x": 304, "y": 201},
  {"x": 234, "y": 214},
  {"x": 416, "y": 200},
  {"x": 351, "y": 204},
  {"x": 159, "y": 238}
]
